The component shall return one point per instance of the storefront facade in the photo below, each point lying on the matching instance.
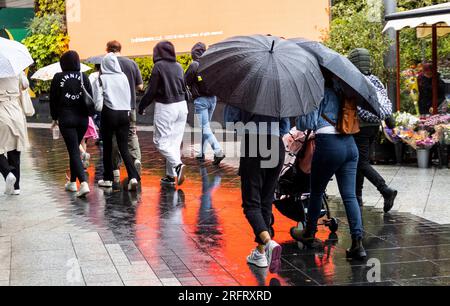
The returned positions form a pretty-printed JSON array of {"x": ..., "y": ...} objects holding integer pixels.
[{"x": 140, "y": 24}]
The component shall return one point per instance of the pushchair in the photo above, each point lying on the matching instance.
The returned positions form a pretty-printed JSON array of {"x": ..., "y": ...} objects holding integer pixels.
[{"x": 293, "y": 189}]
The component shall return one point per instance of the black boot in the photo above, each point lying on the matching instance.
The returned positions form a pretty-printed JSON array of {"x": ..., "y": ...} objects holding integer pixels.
[
  {"x": 389, "y": 196},
  {"x": 357, "y": 250}
]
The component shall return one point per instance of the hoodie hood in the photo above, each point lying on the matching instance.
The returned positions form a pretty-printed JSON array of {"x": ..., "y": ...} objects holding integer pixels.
[
  {"x": 361, "y": 59},
  {"x": 70, "y": 61},
  {"x": 164, "y": 50},
  {"x": 198, "y": 50},
  {"x": 110, "y": 64}
]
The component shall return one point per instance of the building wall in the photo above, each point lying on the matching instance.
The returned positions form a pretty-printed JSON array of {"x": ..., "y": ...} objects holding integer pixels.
[{"x": 140, "y": 24}]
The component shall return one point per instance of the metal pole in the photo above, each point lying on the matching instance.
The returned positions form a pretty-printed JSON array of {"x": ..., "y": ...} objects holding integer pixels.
[
  {"x": 390, "y": 7},
  {"x": 435, "y": 70},
  {"x": 398, "y": 79}
]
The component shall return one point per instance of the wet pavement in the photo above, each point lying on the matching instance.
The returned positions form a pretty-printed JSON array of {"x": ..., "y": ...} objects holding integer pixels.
[{"x": 194, "y": 235}]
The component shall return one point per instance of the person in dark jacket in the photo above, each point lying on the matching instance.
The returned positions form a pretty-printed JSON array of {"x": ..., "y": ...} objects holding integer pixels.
[
  {"x": 168, "y": 90},
  {"x": 69, "y": 111},
  {"x": 368, "y": 134},
  {"x": 425, "y": 82},
  {"x": 205, "y": 104}
]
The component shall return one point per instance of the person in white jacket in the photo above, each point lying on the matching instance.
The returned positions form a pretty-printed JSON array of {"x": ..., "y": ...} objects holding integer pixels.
[{"x": 112, "y": 97}]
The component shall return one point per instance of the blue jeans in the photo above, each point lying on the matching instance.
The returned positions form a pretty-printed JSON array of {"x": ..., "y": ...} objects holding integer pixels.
[
  {"x": 335, "y": 155},
  {"x": 204, "y": 110}
]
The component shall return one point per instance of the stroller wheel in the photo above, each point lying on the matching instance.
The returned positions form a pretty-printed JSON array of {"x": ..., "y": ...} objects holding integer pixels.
[{"x": 333, "y": 225}]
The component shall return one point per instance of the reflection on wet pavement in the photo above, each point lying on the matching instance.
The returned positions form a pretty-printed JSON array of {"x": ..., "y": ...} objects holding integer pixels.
[{"x": 198, "y": 235}]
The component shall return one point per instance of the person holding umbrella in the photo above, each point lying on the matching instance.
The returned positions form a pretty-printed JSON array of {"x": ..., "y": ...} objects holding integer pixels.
[
  {"x": 268, "y": 78},
  {"x": 336, "y": 153},
  {"x": 69, "y": 111},
  {"x": 13, "y": 130}
]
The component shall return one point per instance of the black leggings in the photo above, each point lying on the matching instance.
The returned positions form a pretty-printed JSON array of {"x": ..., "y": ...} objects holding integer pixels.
[
  {"x": 258, "y": 183},
  {"x": 11, "y": 164},
  {"x": 116, "y": 123},
  {"x": 73, "y": 135}
]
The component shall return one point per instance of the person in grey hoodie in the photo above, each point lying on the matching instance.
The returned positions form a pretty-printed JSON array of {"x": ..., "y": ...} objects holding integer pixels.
[
  {"x": 112, "y": 97},
  {"x": 168, "y": 90},
  {"x": 205, "y": 104}
]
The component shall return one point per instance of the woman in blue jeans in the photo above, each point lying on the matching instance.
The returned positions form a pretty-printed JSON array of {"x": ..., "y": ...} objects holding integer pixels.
[
  {"x": 335, "y": 154},
  {"x": 204, "y": 103}
]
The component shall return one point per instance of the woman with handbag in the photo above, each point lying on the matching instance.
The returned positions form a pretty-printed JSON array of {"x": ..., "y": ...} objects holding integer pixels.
[
  {"x": 13, "y": 130},
  {"x": 112, "y": 97},
  {"x": 69, "y": 107}
]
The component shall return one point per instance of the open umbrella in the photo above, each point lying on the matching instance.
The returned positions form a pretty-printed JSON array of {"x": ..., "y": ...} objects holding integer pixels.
[
  {"x": 48, "y": 72},
  {"x": 96, "y": 60},
  {"x": 341, "y": 67},
  {"x": 264, "y": 75},
  {"x": 14, "y": 58}
]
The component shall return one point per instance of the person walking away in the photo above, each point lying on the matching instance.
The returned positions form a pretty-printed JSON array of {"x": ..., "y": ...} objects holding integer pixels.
[
  {"x": 369, "y": 129},
  {"x": 112, "y": 98},
  {"x": 69, "y": 111},
  {"x": 262, "y": 158},
  {"x": 204, "y": 105},
  {"x": 168, "y": 90},
  {"x": 335, "y": 154},
  {"x": 131, "y": 70},
  {"x": 425, "y": 82},
  {"x": 13, "y": 131}
]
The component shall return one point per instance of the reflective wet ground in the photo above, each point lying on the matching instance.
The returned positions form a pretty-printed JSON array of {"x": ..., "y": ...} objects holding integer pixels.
[{"x": 194, "y": 235}]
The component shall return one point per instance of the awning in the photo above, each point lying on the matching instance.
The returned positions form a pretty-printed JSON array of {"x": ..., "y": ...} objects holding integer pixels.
[{"x": 422, "y": 19}]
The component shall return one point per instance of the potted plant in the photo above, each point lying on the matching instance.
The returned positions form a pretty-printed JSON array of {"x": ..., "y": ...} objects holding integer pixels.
[{"x": 423, "y": 151}]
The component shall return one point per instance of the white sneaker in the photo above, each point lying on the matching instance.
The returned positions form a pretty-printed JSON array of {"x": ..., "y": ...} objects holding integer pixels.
[
  {"x": 257, "y": 259},
  {"x": 132, "y": 185},
  {"x": 84, "y": 190},
  {"x": 273, "y": 254},
  {"x": 105, "y": 184},
  {"x": 71, "y": 187},
  {"x": 9, "y": 184},
  {"x": 138, "y": 166},
  {"x": 16, "y": 192}
]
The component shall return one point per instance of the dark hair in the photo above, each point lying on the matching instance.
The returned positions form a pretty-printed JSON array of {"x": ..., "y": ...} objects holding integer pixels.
[
  {"x": 70, "y": 61},
  {"x": 113, "y": 46}
]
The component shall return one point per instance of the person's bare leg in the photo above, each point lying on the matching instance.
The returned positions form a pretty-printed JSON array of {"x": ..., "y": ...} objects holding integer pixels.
[{"x": 265, "y": 238}]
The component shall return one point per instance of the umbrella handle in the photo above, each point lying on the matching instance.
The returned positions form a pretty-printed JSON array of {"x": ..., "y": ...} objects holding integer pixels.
[{"x": 273, "y": 45}]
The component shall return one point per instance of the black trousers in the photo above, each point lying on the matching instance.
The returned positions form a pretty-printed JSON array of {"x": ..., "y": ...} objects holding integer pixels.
[
  {"x": 11, "y": 164},
  {"x": 364, "y": 140},
  {"x": 258, "y": 182},
  {"x": 116, "y": 123},
  {"x": 73, "y": 129}
]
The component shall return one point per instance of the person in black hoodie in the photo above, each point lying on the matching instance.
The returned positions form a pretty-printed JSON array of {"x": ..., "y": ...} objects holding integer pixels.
[
  {"x": 204, "y": 103},
  {"x": 69, "y": 111},
  {"x": 167, "y": 88}
]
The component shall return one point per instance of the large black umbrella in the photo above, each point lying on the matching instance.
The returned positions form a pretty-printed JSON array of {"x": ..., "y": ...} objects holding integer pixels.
[
  {"x": 264, "y": 75},
  {"x": 341, "y": 66}
]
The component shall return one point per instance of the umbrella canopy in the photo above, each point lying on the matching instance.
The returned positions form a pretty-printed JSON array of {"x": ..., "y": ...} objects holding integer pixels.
[
  {"x": 264, "y": 75},
  {"x": 341, "y": 67},
  {"x": 96, "y": 60},
  {"x": 14, "y": 58},
  {"x": 6, "y": 34},
  {"x": 48, "y": 72}
]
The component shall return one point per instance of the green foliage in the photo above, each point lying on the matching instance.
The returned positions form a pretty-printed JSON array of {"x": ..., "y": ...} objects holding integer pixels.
[
  {"x": 146, "y": 64},
  {"x": 51, "y": 24},
  {"x": 45, "y": 7},
  {"x": 354, "y": 30}
]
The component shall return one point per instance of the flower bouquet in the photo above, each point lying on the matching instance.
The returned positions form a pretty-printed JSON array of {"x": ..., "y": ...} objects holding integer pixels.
[
  {"x": 426, "y": 143},
  {"x": 406, "y": 120},
  {"x": 435, "y": 120}
]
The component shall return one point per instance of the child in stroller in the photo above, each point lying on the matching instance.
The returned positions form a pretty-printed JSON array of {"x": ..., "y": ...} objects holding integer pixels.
[{"x": 292, "y": 194}]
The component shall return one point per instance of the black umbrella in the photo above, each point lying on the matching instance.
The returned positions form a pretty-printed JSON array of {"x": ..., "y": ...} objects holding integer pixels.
[
  {"x": 341, "y": 66},
  {"x": 96, "y": 60},
  {"x": 264, "y": 75}
]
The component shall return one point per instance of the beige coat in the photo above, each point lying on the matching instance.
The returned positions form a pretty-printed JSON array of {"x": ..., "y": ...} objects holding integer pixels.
[{"x": 13, "y": 126}]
